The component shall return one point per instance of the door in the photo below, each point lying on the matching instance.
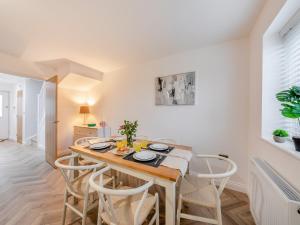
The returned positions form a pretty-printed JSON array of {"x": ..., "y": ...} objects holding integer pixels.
[
  {"x": 4, "y": 115},
  {"x": 51, "y": 120},
  {"x": 20, "y": 116}
]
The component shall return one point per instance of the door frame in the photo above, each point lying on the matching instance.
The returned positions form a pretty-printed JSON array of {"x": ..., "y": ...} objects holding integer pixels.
[
  {"x": 8, "y": 116},
  {"x": 51, "y": 156},
  {"x": 20, "y": 139}
]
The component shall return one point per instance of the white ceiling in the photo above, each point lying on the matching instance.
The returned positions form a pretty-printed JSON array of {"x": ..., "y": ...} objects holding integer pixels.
[
  {"x": 78, "y": 83},
  {"x": 109, "y": 34},
  {"x": 10, "y": 79}
]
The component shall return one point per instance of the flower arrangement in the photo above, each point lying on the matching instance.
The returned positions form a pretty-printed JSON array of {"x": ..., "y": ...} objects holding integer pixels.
[{"x": 129, "y": 129}]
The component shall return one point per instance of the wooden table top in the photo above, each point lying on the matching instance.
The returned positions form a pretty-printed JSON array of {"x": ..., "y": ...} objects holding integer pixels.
[{"x": 161, "y": 171}]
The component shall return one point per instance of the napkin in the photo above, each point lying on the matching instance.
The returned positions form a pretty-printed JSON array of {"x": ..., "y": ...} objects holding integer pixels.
[
  {"x": 187, "y": 155},
  {"x": 176, "y": 163}
]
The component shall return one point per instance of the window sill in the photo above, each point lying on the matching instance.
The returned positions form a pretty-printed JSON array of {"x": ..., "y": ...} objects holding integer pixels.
[{"x": 287, "y": 147}]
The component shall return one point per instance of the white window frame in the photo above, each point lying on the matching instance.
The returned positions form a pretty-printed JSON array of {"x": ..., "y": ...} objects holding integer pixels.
[
  {"x": 1, "y": 106},
  {"x": 272, "y": 47},
  {"x": 289, "y": 79}
]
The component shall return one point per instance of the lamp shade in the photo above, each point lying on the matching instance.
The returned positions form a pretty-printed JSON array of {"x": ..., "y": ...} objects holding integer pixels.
[{"x": 84, "y": 109}]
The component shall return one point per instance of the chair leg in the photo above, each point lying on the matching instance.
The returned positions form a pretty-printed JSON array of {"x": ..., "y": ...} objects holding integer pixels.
[
  {"x": 100, "y": 208},
  {"x": 114, "y": 182},
  {"x": 219, "y": 213},
  {"x": 157, "y": 209},
  {"x": 85, "y": 207},
  {"x": 179, "y": 209},
  {"x": 65, "y": 208}
]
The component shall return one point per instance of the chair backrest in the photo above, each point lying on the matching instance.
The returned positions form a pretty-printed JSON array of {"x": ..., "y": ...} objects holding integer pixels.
[
  {"x": 165, "y": 140},
  {"x": 67, "y": 169},
  {"x": 223, "y": 177},
  {"x": 82, "y": 140},
  {"x": 105, "y": 195}
]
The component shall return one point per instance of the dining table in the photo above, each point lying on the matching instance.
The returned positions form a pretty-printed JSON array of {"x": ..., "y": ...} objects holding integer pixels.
[{"x": 166, "y": 176}]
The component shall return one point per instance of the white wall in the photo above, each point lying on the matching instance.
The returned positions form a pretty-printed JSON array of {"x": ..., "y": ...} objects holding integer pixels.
[
  {"x": 69, "y": 102},
  {"x": 285, "y": 164},
  {"x": 218, "y": 123},
  {"x": 31, "y": 90},
  {"x": 11, "y": 89}
]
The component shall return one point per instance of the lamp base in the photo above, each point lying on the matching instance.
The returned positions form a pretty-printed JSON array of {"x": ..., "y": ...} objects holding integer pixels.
[{"x": 84, "y": 119}]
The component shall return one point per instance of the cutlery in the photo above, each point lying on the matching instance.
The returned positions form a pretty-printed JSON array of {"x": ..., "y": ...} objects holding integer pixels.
[{"x": 158, "y": 159}]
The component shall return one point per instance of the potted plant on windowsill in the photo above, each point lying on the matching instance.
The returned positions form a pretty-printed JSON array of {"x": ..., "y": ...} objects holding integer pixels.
[
  {"x": 290, "y": 101},
  {"x": 280, "y": 135}
]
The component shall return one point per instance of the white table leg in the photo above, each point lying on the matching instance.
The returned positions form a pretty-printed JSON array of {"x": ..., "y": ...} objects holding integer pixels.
[{"x": 170, "y": 203}]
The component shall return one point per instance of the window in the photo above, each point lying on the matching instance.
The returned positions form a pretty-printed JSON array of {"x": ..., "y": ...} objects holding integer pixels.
[
  {"x": 290, "y": 66},
  {"x": 1, "y": 106},
  {"x": 281, "y": 71}
]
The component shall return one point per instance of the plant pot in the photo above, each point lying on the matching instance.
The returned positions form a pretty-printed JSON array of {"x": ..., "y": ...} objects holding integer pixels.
[
  {"x": 297, "y": 143},
  {"x": 279, "y": 139}
]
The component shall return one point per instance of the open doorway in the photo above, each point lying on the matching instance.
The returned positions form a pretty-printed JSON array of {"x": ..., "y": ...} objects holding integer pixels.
[
  {"x": 28, "y": 113},
  {"x": 4, "y": 115},
  {"x": 19, "y": 110},
  {"x": 21, "y": 106}
]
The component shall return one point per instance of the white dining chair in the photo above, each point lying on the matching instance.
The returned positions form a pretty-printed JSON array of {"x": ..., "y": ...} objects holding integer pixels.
[
  {"x": 124, "y": 205},
  {"x": 84, "y": 141},
  {"x": 205, "y": 190},
  {"x": 78, "y": 187},
  {"x": 165, "y": 140}
]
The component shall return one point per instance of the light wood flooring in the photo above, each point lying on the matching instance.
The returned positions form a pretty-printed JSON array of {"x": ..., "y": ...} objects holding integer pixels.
[{"x": 31, "y": 192}]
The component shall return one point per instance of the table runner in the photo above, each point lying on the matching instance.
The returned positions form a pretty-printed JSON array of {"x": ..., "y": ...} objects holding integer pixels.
[{"x": 179, "y": 153}]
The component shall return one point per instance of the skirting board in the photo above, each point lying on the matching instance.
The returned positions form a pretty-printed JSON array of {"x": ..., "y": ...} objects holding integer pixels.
[
  {"x": 28, "y": 141},
  {"x": 233, "y": 185},
  {"x": 12, "y": 138},
  {"x": 41, "y": 147}
]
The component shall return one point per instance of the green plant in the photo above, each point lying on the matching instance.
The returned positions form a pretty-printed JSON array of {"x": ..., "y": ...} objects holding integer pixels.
[
  {"x": 129, "y": 129},
  {"x": 280, "y": 133},
  {"x": 290, "y": 101}
]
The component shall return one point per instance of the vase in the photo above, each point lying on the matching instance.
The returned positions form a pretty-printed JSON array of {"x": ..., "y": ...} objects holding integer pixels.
[
  {"x": 279, "y": 139},
  {"x": 129, "y": 141}
]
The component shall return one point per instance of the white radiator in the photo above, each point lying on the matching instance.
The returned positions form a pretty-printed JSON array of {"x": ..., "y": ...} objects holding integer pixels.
[{"x": 273, "y": 201}]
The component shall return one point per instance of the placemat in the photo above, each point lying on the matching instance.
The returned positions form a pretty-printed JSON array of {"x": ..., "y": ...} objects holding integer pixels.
[
  {"x": 164, "y": 152},
  {"x": 154, "y": 163}
]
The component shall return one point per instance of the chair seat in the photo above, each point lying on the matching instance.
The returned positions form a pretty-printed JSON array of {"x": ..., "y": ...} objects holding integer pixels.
[
  {"x": 80, "y": 184},
  {"x": 83, "y": 162},
  {"x": 198, "y": 191},
  {"x": 125, "y": 206}
]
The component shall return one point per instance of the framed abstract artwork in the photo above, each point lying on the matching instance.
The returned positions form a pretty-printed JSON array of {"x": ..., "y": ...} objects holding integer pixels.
[{"x": 177, "y": 89}]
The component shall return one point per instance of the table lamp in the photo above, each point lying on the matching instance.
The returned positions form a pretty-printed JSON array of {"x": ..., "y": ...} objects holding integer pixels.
[{"x": 84, "y": 109}]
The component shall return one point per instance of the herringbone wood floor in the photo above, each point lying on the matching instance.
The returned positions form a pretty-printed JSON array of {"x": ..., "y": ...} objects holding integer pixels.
[{"x": 31, "y": 192}]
